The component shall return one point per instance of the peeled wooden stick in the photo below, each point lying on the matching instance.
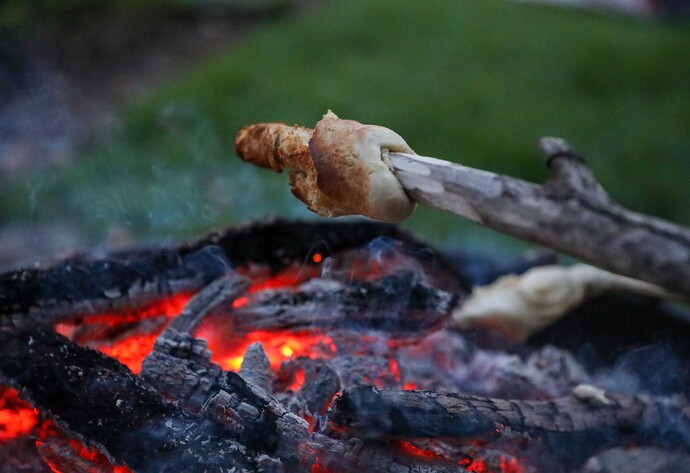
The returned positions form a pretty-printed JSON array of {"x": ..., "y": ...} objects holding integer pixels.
[{"x": 570, "y": 212}]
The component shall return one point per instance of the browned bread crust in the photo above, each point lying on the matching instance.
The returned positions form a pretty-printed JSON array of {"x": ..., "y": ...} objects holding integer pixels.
[{"x": 339, "y": 168}]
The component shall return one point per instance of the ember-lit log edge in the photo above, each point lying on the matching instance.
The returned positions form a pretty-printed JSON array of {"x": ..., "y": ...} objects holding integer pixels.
[{"x": 131, "y": 279}]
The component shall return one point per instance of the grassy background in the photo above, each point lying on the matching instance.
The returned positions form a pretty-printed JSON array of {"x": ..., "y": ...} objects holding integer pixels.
[{"x": 477, "y": 82}]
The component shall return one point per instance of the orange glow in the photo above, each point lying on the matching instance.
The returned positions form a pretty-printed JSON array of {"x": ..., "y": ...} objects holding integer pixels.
[
  {"x": 279, "y": 346},
  {"x": 318, "y": 468},
  {"x": 64, "y": 454},
  {"x": 410, "y": 449},
  {"x": 478, "y": 465},
  {"x": 232, "y": 364},
  {"x": 297, "y": 381},
  {"x": 510, "y": 465},
  {"x": 168, "y": 306},
  {"x": 395, "y": 368},
  {"x": 131, "y": 351},
  {"x": 317, "y": 258},
  {"x": 290, "y": 277},
  {"x": 239, "y": 302},
  {"x": 410, "y": 386},
  {"x": 16, "y": 416}
]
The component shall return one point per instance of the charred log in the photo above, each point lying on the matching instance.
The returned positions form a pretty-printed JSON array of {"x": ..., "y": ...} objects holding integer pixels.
[
  {"x": 355, "y": 456},
  {"x": 372, "y": 413},
  {"x": 276, "y": 243},
  {"x": 81, "y": 286},
  {"x": 256, "y": 368},
  {"x": 88, "y": 284},
  {"x": 321, "y": 384},
  {"x": 397, "y": 304},
  {"x": 179, "y": 366},
  {"x": 100, "y": 399}
]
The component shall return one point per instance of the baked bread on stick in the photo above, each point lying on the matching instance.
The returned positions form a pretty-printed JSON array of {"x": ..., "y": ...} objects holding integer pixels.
[
  {"x": 339, "y": 168},
  {"x": 343, "y": 167}
]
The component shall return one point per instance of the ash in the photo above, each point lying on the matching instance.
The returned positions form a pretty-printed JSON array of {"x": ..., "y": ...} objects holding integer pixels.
[{"x": 334, "y": 356}]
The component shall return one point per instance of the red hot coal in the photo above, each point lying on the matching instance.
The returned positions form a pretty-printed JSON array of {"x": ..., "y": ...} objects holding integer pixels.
[{"x": 324, "y": 347}]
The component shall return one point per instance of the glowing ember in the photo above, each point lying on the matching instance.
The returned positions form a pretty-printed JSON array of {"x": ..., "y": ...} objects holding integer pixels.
[
  {"x": 290, "y": 277},
  {"x": 478, "y": 465},
  {"x": 395, "y": 368},
  {"x": 510, "y": 465},
  {"x": 297, "y": 381},
  {"x": 132, "y": 350},
  {"x": 279, "y": 346},
  {"x": 410, "y": 449},
  {"x": 169, "y": 307},
  {"x": 65, "y": 454},
  {"x": 318, "y": 468},
  {"x": 119, "y": 335},
  {"x": 16, "y": 416},
  {"x": 239, "y": 302}
]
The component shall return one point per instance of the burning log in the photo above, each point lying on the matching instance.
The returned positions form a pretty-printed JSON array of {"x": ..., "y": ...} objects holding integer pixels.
[
  {"x": 180, "y": 366},
  {"x": 258, "y": 420},
  {"x": 403, "y": 305},
  {"x": 372, "y": 413},
  {"x": 129, "y": 281},
  {"x": 82, "y": 286},
  {"x": 251, "y": 364},
  {"x": 331, "y": 171},
  {"x": 132, "y": 423},
  {"x": 256, "y": 368}
]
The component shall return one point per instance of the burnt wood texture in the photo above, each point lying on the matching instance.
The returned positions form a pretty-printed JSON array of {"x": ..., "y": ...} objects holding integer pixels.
[
  {"x": 87, "y": 284},
  {"x": 185, "y": 413},
  {"x": 370, "y": 412},
  {"x": 130, "y": 420}
]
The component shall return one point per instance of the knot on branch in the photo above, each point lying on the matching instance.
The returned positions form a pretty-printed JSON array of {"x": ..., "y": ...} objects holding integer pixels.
[{"x": 571, "y": 176}]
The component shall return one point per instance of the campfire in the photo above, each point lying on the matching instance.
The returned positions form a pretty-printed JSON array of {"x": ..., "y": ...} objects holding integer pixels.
[{"x": 325, "y": 347}]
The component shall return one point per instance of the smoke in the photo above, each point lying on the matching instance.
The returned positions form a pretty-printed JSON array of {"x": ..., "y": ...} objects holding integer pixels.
[{"x": 656, "y": 369}]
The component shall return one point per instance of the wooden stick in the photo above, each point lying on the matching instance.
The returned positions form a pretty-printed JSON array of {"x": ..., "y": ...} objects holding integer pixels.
[{"x": 570, "y": 213}]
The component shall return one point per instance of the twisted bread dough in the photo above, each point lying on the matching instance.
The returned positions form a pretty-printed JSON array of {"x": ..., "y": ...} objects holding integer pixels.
[{"x": 339, "y": 168}]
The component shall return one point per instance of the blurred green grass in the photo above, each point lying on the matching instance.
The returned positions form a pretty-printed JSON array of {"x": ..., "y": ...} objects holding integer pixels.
[{"x": 477, "y": 82}]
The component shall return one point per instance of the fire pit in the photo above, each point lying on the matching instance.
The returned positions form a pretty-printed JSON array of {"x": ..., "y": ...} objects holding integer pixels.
[{"x": 324, "y": 347}]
